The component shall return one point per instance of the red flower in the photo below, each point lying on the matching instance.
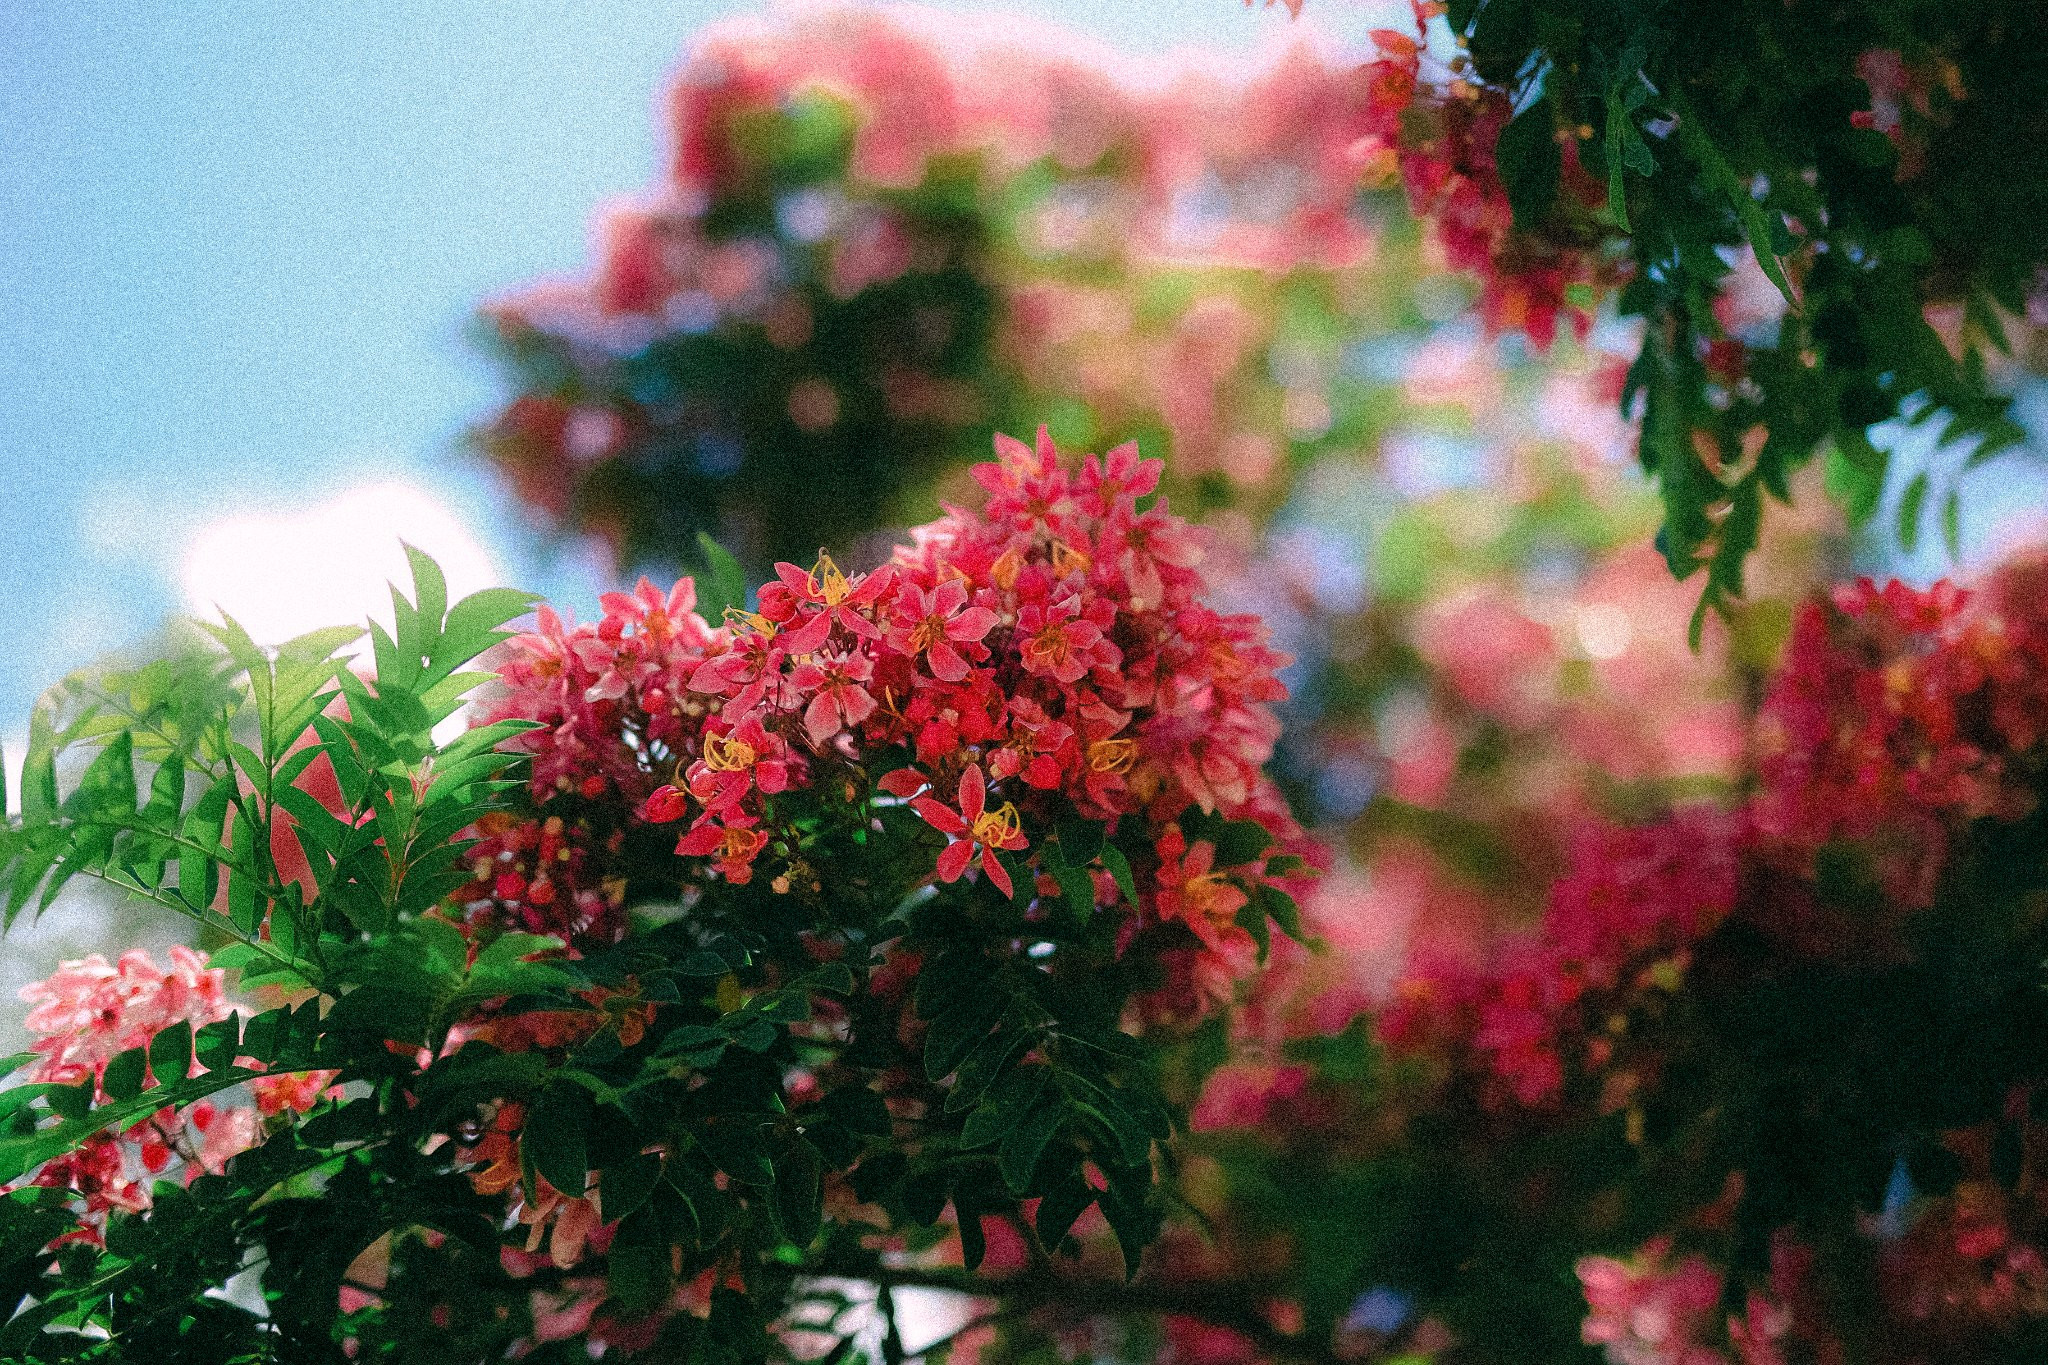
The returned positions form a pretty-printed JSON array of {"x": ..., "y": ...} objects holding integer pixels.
[
  {"x": 746, "y": 757},
  {"x": 732, "y": 843},
  {"x": 1061, "y": 644},
  {"x": 838, "y": 699},
  {"x": 825, "y": 595},
  {"x": 665, "y": 805},
  {"x": 1199, "y": 897},
  {"x": 932, "y": 623},
  {"x": 974, "y": 826}
]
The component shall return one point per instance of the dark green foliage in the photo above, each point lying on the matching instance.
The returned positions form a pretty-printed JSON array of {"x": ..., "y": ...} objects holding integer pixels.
[{"x": 1718, "y": 127}]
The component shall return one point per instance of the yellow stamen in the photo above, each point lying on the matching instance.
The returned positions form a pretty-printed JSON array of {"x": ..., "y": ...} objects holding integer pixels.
[
  {"x": 728, "y": 754},
  {"x": 742, "y": 843},
  {"x": 1051, "y": 645},
  {"x": 1008, "y": 565},
  {"x": 828, "y": 581},
  {"x": 1066, "y": 559},
  {"x": 1112, "y": 755},
  {"x": 929, "y": 632},
  {"x": 999, "y": 826},
  {"x": 741, "y": 619}
]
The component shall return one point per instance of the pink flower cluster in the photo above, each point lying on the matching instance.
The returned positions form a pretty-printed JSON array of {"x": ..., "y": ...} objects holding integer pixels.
[
  {"x": 1095, "y": 171},
  {"x": 1648, "y": 1311},
  {"x": 88, "y": 1009},
  {"x": 1900, "y": 713},
  {"x": 87, "y": 1012},
  {"x": 1619, "y": 923},
  {"x": 1049, "y": 654},
  {"x": 1438, "y": 141}
]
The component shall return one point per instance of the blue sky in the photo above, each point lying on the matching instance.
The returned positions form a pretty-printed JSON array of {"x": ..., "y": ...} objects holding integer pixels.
[{"x": 239, "y": 243}]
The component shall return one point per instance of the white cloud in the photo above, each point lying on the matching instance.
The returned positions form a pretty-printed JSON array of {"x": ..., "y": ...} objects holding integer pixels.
[{"x": 282, "y": 574}]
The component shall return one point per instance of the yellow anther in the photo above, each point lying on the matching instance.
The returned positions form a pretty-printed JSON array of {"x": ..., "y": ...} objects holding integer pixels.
[
  {"x": 1112, "y": 755},
  {"x": 1008, "y": 565},
  {"x": 828, "y": 581},
  {"x": 1066, "y": 559},
  {"x": 739, "y": 618},
  {"x": 999, "y": 826},
  {"x": 728, "y": 754}
]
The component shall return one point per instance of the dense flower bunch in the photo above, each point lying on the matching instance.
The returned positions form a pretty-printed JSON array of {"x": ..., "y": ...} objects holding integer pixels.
[
  {"x": 890, "y": 230},
  {"x": 1049, "y": 654},
  {"x": 88, "y": 1013},
  {"x": 1622, "y": 922},
  {"x": 1895, "y": 758},
  {"x": 1438, "y": 138},
  {"x": 831, "y": 941},
  {"x": 1762, "y": 1079}
]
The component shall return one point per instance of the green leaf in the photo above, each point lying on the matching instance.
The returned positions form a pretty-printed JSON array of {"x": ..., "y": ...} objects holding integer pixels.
[
  {"x": 724, "y": 583},
  {"x": 1077, "y": 888},
  {"x": 430, "y": 588},
  {"x": 1252, "y": 919},
  {"x": 637, "y": 1278},
  {"x": 1241, "y": 842},
  {"x": 170, "y": 1052},
  {"x": 954, "y": 1033},
  {"x": 625, "y": 1186},
  {"x": 1620, "y": 128},
  {"x": 39, "y": 770},
  {"x": 1281, "y": 909},
  {"x": 1060, "y": 1208},
  {"x": 1756, "y": 223},
  {"x": 125, "y": 1074},
  {"x": 1120, "y": 869},
  {"x": 473, "y": 627},
  {"x": 556, "y": 1136},
  {"x": 1911, "y": 503},
  {"x": 1006, "y": 1106},
  {"x": 1080, "y": 841},
  {"x": 217, "y": 1044},
  {"x": 1131, "y": 1219},
  {"x": 1529, "y": 162},
  {"x": 1855, "y": 475},
  {"x": 859, "y": 1110},
  {"x": 733, "y": 1142},
  {"x": 107, "y": 789},
  {"x": 798, "y": 1198},
  {"x": 1026, "y": 1143}
]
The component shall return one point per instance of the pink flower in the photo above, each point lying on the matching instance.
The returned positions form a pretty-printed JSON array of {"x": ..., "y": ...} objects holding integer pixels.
[
  {"x": 822, "y": 596},
  {"x": 838, "y": 699},
  {"x": 1203, "y": 899},
  {"x": 932, "y": 623},
  {"x": 665, "y": 805},
  {"x": 1645, "y": 1312},
  {"x": 738, "y": 760},
  {"x": 87, "y": 1011},
  {"x": 294, "y": 1090},
  {"x": 731, "y": 841},
  {"x": 1026, "y": 485},
  {"x": 973, "y": 826},
  {"x": 223, "y": 1134},
  {"x": 1061, "y": 644}
]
